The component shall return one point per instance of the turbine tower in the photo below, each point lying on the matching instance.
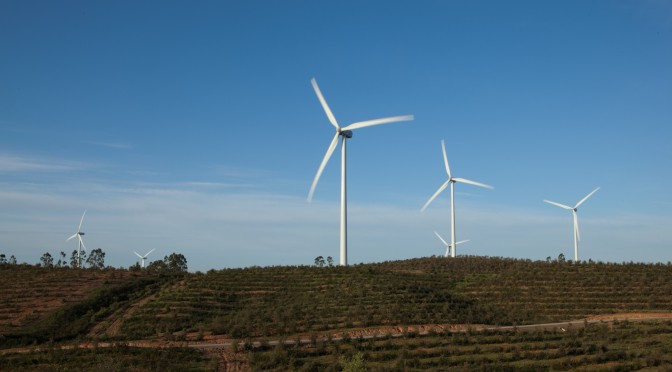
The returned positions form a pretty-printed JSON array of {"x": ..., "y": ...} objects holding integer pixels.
[
  {"x": 80, "y": 242},
  {"x": 451, "y": 181},
  {"x": 144, "y": 257},
  {"x": 448, "y": 246},
  {"x": 344, "y": 133},
  {"x": 577, "y": 236}
]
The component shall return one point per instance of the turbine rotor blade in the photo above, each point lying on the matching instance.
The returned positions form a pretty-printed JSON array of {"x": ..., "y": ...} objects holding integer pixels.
[
  {"x": 325, "y": 106},
  {"x": 138, "y": 254},
  {"x": 81, "y": 221},
  {"x": 559, "y": 205},
  {"x": 586, "y": 198},
  {"x": 443, "y": 187},
  {"x": 473, "y": 183},
  {"x": 439, "y": 236},
  {"x": 147, "y": 254},
  {"x": 330, "y": 151},
  {"x": 70, "y": 238},
  {"x": 369, "y": 123},
  {"x": 445, "y": 158},
  {"x": 462, "y": 241},
  {"x": 82, "y": 242}
]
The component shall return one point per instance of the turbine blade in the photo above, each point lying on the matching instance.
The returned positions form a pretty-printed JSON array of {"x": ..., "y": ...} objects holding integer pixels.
[
  {"x": 137, "y": 254},
  {"x": 147, "y": 254},
  {"x": 559, "y": 205},
  {"x": 576, "y": 226},
  {"x": 473, "y": 183},
  {"x": 70, "y": 238},
  {"x": 445, "y": 158},
  {"x": 330, "y": 151},
  {"x": 586, "y": 198},
  {"x": 462, "y": 241},
  {"x": 82, "y": 241},
  {"x": 443, "y": 187},
  {"x": 325, "y": 106},
  {"x": 369, "y": 123},
  {"x": 439, "y": 236},
  {"x": 447, "y": 251},
  {"x": 81, "y": 221}
]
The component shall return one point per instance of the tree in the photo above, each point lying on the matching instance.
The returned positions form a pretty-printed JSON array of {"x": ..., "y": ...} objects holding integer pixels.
[
  {"x": 156, "y": 266},
  {"x": 319, "y": 261},
  {"x": 76, "y": 261},
  {"x": 561, "y": 257},
  {"x": 62, "y": 262},
  {"x": 96, "y": 259},
  {"x": 12, "y": 260},
  {"x": 3, "y": 259},
  {"x": 47, "y": 260},
  {"x": 330, "y": 261},
  {"x": 176, "y": 262},
  {"x": 354, "y": 364}
]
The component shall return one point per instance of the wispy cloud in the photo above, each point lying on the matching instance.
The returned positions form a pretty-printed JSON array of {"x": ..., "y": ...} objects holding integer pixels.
[
  {"x": 15, "y": 163},
  {"x": 112, "y": 145},
  {"x": 217, "y": 226}
]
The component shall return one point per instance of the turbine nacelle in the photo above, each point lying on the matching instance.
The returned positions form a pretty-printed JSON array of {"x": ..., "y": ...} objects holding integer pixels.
[{"x": 345, "y": 133}]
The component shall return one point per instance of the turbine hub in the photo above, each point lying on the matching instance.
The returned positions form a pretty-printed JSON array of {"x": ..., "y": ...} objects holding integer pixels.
[
  {"x": 346, "y": 133},
  {"x": 80, "y": 233}
]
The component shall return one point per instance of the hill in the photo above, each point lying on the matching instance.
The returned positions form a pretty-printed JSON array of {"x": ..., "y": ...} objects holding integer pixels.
[{"x": 437, "y": 295}]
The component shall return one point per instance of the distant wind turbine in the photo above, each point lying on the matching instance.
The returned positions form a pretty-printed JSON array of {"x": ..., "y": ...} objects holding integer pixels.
[
  {"x": 344, "y": 133},
  {"x": 577, "y": 236},
  {"x": 80, "y": 242},
  {"x": 448, "y": 246},
  {"x": 144, "y": 257},
  {"x": 451, "y": 181}
]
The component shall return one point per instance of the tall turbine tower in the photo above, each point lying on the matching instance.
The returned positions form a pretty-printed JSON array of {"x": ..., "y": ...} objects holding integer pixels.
[
  {"x": 448, "y": 246},
  {"x": 344, "y": 133},
  {"x": 80, "y": 242},
  {"x": 577, "y": 236},
  {"x": 451, "y": 180},
  {"x": 143, "y": 258}
]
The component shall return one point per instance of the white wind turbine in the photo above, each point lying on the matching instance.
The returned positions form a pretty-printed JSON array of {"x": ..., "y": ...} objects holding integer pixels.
[
  {"x": 577, "y": 236},
  {"x": 344, "y": 133},
  {"x": 451, "y": 180},
  {"x": 80, "y": 242},
  {"x": 448, "y": 246},
  {"x": 143, "y": 258}
]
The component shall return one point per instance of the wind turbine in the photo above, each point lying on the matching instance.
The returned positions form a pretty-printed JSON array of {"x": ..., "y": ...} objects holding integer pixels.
[
  {"x": 577, "y": 236},
  {"x": 80, "y": 242},
  {"x": 344, "y": 133},
  {"x": 144, "y": 257},
  {"x": 448, "y": 246},
  {"x": 451, "y": 181}
]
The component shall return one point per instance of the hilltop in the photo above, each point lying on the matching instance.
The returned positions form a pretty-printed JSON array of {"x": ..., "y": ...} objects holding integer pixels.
[{"x": 61, "y": 306}]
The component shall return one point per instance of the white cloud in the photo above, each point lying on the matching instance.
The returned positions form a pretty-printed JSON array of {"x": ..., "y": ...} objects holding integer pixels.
[
  {"x": 14, "y": 163},
  {"x": 218, "y": 227}
]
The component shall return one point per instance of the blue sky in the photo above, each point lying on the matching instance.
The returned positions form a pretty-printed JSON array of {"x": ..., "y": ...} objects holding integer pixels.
[{"x": 193, "y": 128}]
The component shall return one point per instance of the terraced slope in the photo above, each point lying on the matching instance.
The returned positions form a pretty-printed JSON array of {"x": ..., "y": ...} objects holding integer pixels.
[
  {"x": 524, "y": 292},
  {"x": 38, "y": 304},
  {"x": 622, "y": 346},
  {"x": 282, "y": 301},
  {"x": 28, "y": 293}
]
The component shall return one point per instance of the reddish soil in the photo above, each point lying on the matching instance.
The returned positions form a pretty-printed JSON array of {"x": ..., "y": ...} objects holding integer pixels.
[{"x": 27, "y": 294}]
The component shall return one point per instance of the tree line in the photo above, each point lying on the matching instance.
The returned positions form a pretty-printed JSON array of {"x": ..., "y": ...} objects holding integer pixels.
[{"x": 175, "y": 262}]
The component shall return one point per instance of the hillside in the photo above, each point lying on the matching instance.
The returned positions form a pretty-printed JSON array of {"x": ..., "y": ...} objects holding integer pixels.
[{"x": 64, "y": 305}]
